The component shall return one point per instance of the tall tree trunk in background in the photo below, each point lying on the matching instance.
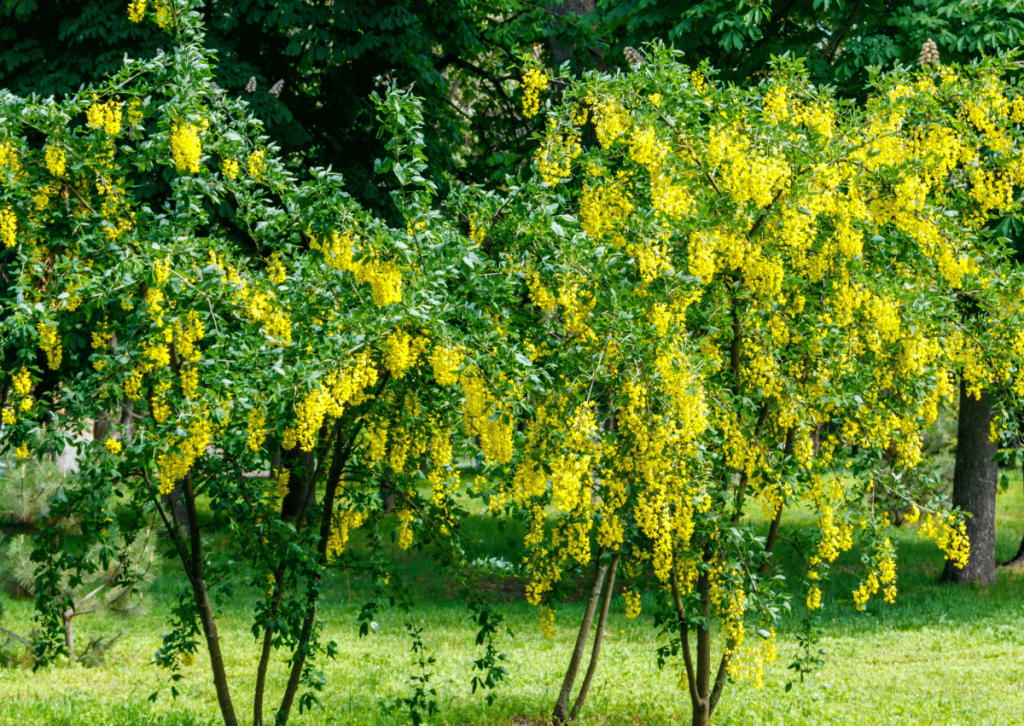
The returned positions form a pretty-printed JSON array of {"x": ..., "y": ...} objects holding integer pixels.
[
  {"x": 560, "y": 49},
  {"x": 975, "y": 480}
]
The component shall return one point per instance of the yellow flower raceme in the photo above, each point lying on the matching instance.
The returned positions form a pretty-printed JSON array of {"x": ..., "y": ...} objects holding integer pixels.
[
  {"x": 22, "y": 382},
  {"x": 186, "y": 147},
  {"x": 632, "y": 603},
  {"x": 56, "y": 162},
  {"x": 229, "y": 168},
  {"x": 341, "y": 526},
  {"x": 8, "y": 227},
  {"x": 445, "y": 362},
  {"x": 106, "y": 116},
  {"x": 181, "y": 454},
  {"x": 256, "y": 162},
  {"x": 257, "y": 428},
  {"x": 405, "y": 533},
  {"x": 49, "y": 341},
  {"x": 534, "y": 81},
  {"x": 136, "y": 10}
]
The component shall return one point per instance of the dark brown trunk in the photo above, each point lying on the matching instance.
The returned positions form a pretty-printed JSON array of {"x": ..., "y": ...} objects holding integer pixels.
[
  {"x": 387, "y": 496},
  {"x": 128, "y": 419},
  {"x": 301, "y": 466},
  {"x": 700, "y": 695},
  {"x": 773, "y": 529},
  {"x": 176, "y": 505},
  {"x": 975, "y": 482}
]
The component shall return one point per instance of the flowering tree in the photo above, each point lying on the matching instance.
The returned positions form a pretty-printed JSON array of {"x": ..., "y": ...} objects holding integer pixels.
[
  {"x": 745, "y": 298},
  {"x": 268, "y": 364}
]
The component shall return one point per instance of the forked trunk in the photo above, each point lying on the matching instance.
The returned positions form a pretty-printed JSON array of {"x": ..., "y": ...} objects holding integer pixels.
[
  {"x": 604, "y": 579},
  {"x": 561, "y": 712}
]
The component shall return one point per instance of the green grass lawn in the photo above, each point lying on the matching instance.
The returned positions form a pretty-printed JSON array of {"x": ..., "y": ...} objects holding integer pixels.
[{"x": 940, "y": 655}]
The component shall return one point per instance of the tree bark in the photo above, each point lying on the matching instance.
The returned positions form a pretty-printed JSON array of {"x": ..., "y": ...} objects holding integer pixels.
[
  {"x": 701, "y": 699},
  {"x": 69, "y": 634},
  {"x": 342, "y": 451},
  {"x": 261, "y": 670},
  {"x": 206, "y": 618},
  {"x": 301, "y": 466},
  {"x": 560, "y": 713},
  {"x": 560, "y": 50},
  {"x": 609, "y": 590},
  {"x": 174, "y": 503},
  {"x": 975, "y": 481},
  {"x": 772, "y": 541}
]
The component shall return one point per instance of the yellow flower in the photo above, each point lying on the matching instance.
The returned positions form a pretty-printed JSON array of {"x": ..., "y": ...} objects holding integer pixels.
[
  {"x": 106, "y": 116},
  {"x": 445, "y": 362},
  {"x": 8, "y": 227},
  {"x": 112, "y": 445},
  {"x": 136, "y": 10},
  {"x": 534, "y": 81},
  {"x": 186, "y": 148},
  {"x": 405, "y": 518},
  {"x": 257, "y": 164},
  {"x": 632, "y": 603},
  {"x": 229, "y": 167},
  {"x": 55, "y": 161}
]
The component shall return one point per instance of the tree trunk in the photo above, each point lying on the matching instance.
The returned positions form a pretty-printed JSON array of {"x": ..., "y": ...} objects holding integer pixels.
[
  {"x": 301, "y": 466},
  {"x": 194, "y": 569},
  {"x": 975, "y": 481},
  {"x": 561, "y": 50},
  {"x": 268, "y": 641},
  {"x": 609, "y": 590},
  {"x": 174, "y": 503},
  {"x": 387, "y": 495},
  {"x": 560, "y": 713},
  {"x": 69, "y": 634}
]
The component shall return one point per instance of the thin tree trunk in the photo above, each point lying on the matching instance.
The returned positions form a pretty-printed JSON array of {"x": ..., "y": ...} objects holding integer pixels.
[
  {"x": 69, "y": 634},
  {"x": 773, "y": 539},
  {"x": 609, "y": 590},
  {"x": 559, "y": 715},
  {"x": 342, "y": 451},
  {"x": 173, "y": 501},
  {"x": 975, "y": 482},
  {"x": 220, "y": 680},
  {"x": 773, "y": 530},
  {"x": 261, "y": 671}
]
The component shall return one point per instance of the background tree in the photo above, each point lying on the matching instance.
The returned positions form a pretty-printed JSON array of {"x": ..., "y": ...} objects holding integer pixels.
[{"x": 307, "y": 71}]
